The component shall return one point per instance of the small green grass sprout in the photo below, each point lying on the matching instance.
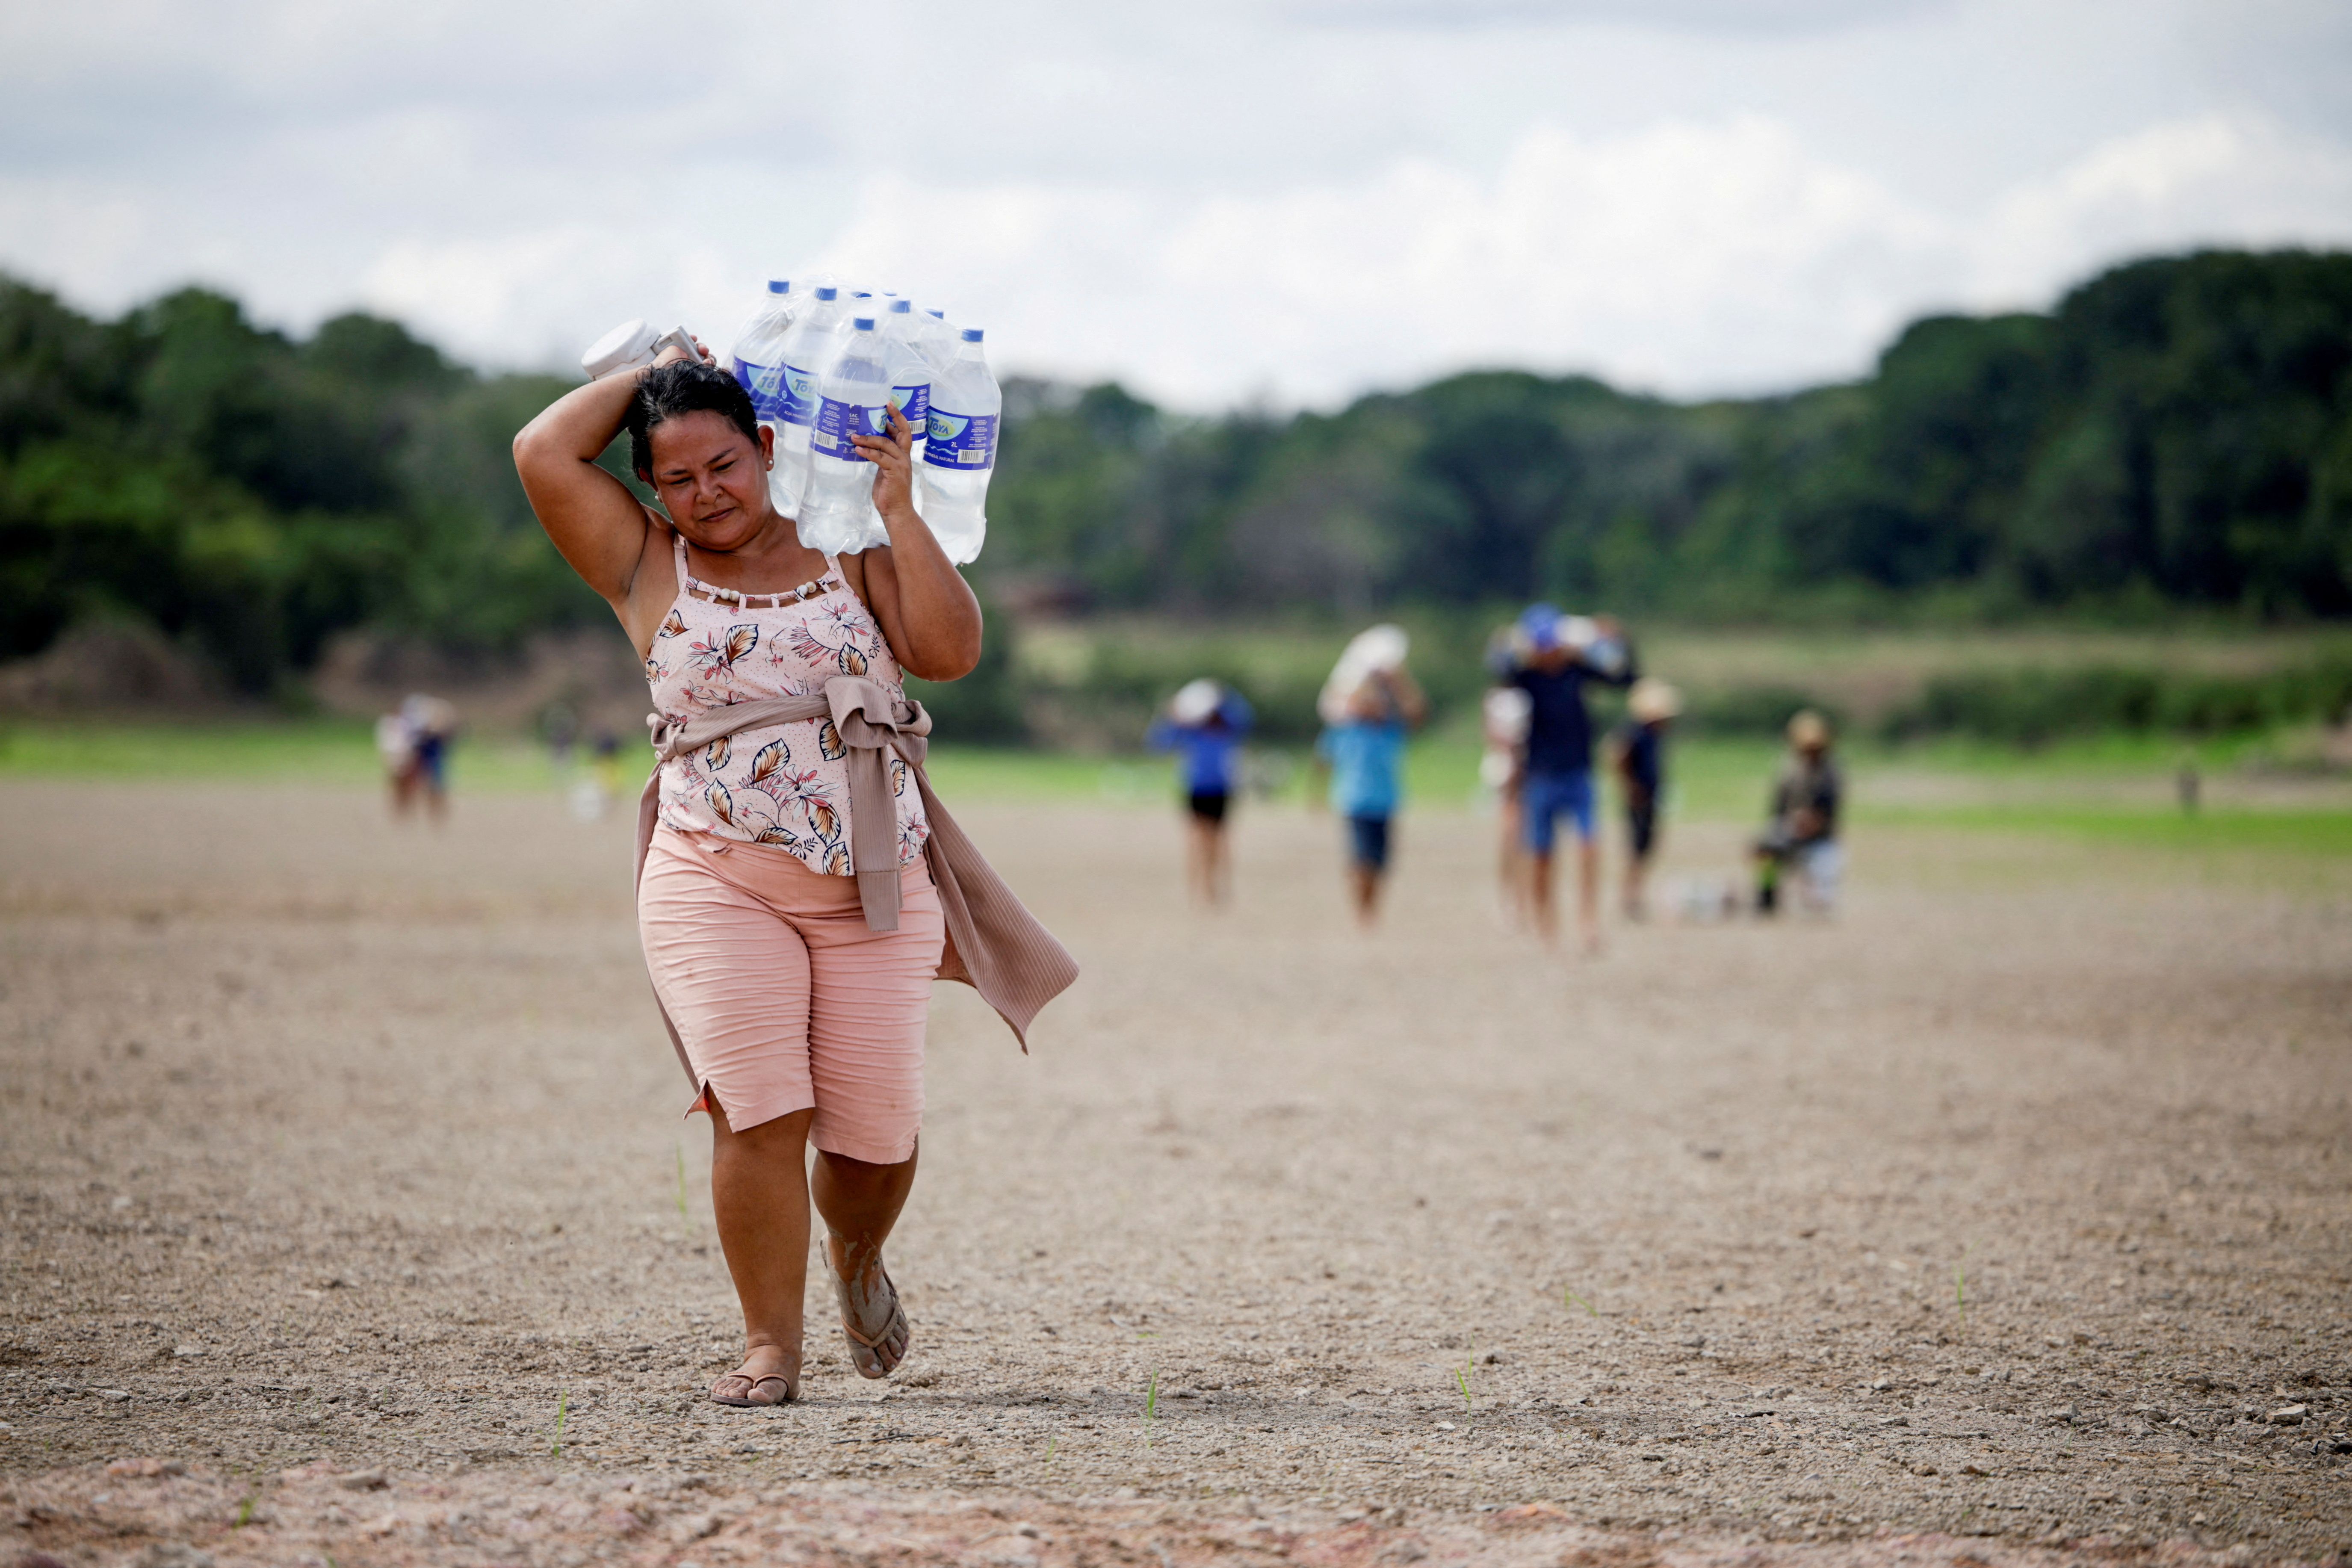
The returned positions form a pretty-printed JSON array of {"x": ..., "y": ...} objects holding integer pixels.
[{"x": 1568, "y": 1297}]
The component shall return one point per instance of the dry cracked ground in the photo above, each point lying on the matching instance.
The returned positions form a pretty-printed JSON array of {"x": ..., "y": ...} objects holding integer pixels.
[{"x": 351, "y": 1216}]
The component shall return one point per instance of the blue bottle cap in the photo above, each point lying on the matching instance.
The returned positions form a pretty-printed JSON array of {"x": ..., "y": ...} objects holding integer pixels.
[
  {"x": 972, "y": 334},
  {"x": 828, "y": 292},
  {"x": 863, "y": 323},
  {"x": 940, "y": 315},
  {"x": 779, "y": 285},
  {"x": 901, "y": 307}
]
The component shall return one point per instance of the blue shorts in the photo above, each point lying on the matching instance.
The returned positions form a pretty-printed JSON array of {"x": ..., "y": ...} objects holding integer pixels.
[
  {"x": 1368, "y": 842},
  {"x": 1543, "y": 796}
]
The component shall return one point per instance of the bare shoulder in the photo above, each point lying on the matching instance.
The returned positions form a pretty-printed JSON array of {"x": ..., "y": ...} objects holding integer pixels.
[{"x": 860, "y": 574}]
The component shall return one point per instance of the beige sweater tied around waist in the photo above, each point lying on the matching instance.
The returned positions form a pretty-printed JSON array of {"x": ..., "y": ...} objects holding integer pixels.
[{"x": 994, "y": 945}]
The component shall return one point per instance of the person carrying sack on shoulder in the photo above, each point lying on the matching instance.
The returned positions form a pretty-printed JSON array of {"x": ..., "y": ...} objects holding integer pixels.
[{"x": 799, "y": 884}]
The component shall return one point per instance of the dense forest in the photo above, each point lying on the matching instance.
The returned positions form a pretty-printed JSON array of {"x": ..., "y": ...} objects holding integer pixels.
[{"x": 2176, "y": 432}]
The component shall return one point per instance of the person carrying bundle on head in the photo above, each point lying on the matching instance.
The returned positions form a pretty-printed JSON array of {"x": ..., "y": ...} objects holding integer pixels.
[
  {"x": 799, "y": 883},
  {"x": 1203, "y": 724},
  {"x": 1551, "y": 657},
  {"x": 1367, "y": 707},
  {"x": 1802, "y": 834}
]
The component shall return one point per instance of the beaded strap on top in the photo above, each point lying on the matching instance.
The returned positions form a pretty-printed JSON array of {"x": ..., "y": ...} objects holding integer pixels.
[{"x": 690, "y": 583}]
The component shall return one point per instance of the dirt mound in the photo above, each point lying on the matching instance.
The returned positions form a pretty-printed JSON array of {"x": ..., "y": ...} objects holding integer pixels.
[{"x": 107, "y": 667}]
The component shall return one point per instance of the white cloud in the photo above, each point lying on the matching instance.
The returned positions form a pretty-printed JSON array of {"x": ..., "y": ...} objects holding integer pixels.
[
  {"x": 1299, "y": 199},
  {"x": 2216, "y": 179},
  {"x": 1690, "y": 257}
]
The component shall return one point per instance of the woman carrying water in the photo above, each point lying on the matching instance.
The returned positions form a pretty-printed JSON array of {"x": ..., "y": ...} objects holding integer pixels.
[{"x": 799, "y": 885}]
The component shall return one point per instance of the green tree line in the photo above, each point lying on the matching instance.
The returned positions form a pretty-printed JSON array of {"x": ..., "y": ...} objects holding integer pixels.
[{"x": 2176, "y": 432}]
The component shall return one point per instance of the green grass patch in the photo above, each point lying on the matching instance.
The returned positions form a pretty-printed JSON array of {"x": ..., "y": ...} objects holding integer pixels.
[
  {"x": 336, "y": 752},
  {"x": 2291, "y": 832}
]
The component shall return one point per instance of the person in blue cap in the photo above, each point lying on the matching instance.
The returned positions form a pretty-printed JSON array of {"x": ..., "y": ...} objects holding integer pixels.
[
  {"x": 1551, "y": 657},
  {"x": 1203, "y": 724}
]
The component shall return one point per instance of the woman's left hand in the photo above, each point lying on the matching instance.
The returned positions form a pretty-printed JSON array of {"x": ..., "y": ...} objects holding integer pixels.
[{"x": 893, "y": 456}]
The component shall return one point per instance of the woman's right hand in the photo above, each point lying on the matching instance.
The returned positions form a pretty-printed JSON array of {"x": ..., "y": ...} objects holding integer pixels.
[{"x": 672, "y": 354}]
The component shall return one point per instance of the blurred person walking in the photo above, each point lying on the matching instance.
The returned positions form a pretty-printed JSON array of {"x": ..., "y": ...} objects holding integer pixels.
[
  {"x": 1639, "y": 748},
  {"x": 799, "y": 884},
  {"x": 1367, "y": 706},
  {"x": 1503, "y": 725},
  {"x": 1203, "y": 724},
  {"x": 1552, "y": 657},
  {"x": 1801, "y": 835},
  {"x": 413, "y": 742}
]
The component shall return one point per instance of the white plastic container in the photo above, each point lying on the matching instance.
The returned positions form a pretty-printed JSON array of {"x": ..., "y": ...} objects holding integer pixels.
[
  {"x": 961, "y": 451},
  {"x": 837, "y": 515},
  {"x": 629, "y": 345}
]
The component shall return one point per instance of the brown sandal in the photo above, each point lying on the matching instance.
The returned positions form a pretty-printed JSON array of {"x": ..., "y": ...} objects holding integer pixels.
[
  {"x": 749, "y": 1399},
  {"x": 866, "y": 1354}
]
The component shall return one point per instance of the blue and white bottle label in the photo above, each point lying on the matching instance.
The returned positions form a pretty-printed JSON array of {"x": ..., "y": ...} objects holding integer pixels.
[
  {"x": 915, "y": 403},
  {"x": 765, "y": 383},
  {"x": 961, "y": 440},
  {"x": 798, "y": 396},
  {"x": 837, "y": 421}
]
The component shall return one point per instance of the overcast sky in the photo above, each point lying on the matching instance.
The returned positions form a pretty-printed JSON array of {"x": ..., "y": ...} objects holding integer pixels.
[{"x": 1279, "y": 201}]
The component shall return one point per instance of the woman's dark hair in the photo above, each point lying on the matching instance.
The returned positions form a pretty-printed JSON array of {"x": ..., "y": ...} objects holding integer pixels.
[{"x": 686, "y": 386}]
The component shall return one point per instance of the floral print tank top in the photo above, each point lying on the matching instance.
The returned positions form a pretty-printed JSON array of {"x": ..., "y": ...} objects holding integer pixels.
[{"x": 787, "y": 784}]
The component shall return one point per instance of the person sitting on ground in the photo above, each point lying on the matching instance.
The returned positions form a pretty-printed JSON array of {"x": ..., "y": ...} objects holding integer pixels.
[
  {"x": 1203, "y": 724},
  {"x": 1367, "y": 706},
  {"x": 1640, "y": 749},
  {"x": 1802, "y": 836},
  {"x": 1551, "y": 657}
]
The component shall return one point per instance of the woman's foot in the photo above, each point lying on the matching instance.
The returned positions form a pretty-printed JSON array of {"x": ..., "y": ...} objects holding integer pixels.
[
  {"x": 871, "y": 1318},
  {"x": 767, "y": 1376}
]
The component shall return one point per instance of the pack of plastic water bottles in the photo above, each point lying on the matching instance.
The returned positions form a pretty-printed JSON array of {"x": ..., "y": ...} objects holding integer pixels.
[{"x": 824, "y": 361}]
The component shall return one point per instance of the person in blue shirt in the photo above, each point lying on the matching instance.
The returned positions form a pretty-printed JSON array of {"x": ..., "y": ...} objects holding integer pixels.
[
  {"x": 1552, "y": 658},
  {"x": 1203, "y": 725},
  {"x": 1364, "y": 750}
]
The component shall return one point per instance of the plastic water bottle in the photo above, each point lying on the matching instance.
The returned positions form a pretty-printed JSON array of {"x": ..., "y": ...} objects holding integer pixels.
[
  {"x": 935, "y": 338},
  {"x": 808, "y": 346},
  {"x": 910, "y": 373},
  {"x": 965, "y": 407},
  {"x": 757, "y": 358},
  {"x": 838, "y": 514}
]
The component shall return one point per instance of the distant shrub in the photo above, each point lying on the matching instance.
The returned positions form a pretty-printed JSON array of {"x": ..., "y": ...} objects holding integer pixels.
[
  {"x": 2031, "y": 707},
  {"x": 1747, "y": 711}
]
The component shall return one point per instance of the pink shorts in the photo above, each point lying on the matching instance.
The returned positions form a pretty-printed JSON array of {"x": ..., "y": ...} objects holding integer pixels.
[{"x": 784, "y": 999}]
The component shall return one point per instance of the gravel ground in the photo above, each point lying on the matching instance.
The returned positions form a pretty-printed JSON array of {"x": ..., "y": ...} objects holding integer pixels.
[{"x": 2010, "y": 1207}]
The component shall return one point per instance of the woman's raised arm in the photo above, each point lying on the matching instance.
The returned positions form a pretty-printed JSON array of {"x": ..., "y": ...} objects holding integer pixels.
[
  {"x": 594, "y": 521},
  {"x": 925, "y": 607}
]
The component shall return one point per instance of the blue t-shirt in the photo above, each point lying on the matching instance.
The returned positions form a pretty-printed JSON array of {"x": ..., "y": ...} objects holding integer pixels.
[
  {"x": 1366, "y": 758},
  {"x": 1205, "y": 754},
  {"x": 1560, "y": 729}
]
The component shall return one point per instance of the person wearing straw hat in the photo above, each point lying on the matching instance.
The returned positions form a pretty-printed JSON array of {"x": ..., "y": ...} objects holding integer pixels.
[
  {"x": 1802, "y": 834},
  {"x": 1203, "y": 724},
  {"x": 1640, "y": 750},
  {"x": 1367, "y": 707}
]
